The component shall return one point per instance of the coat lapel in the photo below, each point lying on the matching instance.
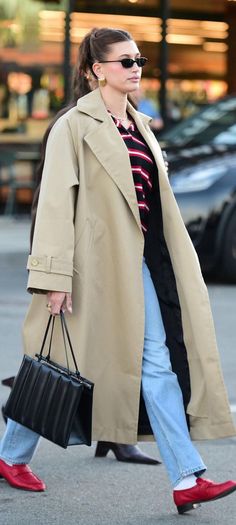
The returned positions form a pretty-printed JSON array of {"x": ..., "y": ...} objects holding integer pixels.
[
  {"x": 142, "y": 122},
  {"x": 108, "y": 146},
  {"x": 106, "y": 143}
]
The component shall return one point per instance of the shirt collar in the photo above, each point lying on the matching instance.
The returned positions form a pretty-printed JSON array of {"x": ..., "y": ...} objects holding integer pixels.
[{"x": 118, "y": 122}]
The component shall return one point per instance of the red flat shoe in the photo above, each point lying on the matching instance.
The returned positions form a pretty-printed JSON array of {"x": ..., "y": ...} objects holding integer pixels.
[
  {"x": 21, "y": 477},
  {"x": 204, "y": 490}
]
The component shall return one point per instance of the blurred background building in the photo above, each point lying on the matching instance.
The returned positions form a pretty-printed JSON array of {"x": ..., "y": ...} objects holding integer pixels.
[
  {"x": 192, "y": 54},
  {"x": 190, "y": 47}
]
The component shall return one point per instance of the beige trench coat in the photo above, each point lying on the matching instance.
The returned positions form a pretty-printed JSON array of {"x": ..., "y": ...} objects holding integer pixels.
[{"x": 90, "y": 242}]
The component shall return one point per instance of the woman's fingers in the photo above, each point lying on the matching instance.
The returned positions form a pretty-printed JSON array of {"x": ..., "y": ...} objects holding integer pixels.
[
  {"x": 69, "y": 302},
  {"x": 57, "y": 301}
]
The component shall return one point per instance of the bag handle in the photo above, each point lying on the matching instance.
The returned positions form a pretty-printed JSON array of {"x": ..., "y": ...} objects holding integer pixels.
[
  {"x": 65, "y": 334},
  {"x": 45, "y": 335},
  {"x": 65, "y": 330}
]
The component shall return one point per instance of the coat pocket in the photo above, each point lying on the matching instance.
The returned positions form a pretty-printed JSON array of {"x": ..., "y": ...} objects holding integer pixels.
[{"x": 83, "y": 246}]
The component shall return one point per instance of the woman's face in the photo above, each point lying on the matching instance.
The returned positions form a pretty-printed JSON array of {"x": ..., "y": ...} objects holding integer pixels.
[{"x": 117, "y": 77}]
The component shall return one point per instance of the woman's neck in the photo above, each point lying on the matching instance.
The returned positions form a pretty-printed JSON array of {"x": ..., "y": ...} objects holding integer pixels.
[{"x": 116, "y": 103}]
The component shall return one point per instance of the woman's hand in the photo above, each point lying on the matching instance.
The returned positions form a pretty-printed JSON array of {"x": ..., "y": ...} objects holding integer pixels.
[{"x": 57, "y": 301}]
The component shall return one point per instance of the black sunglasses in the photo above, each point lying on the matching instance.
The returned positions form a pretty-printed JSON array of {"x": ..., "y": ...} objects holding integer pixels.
[{"x": 128, "y": 62}]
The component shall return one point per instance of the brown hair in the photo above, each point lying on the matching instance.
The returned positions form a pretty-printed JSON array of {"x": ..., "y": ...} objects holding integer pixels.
[{"x": 93, "y": 48}]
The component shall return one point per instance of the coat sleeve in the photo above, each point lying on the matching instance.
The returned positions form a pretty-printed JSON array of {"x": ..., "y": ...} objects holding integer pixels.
[{"x": 50, "y": 264}]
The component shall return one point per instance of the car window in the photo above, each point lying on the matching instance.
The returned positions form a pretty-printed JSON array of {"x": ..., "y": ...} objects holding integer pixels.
[
  {"x": 214, "y": 124},
  {"x": 226, "y": 137}
]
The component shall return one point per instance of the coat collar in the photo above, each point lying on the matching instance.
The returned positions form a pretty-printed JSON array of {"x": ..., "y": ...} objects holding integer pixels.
[
  {"x": 93, "y": 105},
  {"x": 105, "y": 141}
]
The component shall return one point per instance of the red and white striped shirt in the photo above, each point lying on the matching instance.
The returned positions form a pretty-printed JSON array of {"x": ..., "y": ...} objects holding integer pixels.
[{"x": 142, "y": 165}]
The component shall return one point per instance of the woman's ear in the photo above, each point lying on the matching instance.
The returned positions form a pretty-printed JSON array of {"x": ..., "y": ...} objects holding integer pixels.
[{"x": 97, "y": 69}]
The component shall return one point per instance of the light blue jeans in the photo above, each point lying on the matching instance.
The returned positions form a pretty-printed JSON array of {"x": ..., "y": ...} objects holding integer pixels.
[{"x": 162, "y": 396}]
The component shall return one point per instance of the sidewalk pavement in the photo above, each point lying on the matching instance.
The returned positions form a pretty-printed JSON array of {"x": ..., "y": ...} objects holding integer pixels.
[{"x": 83, "y": 490}]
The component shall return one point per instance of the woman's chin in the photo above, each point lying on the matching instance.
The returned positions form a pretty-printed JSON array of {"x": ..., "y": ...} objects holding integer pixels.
[{"x": 133, "y": 87}]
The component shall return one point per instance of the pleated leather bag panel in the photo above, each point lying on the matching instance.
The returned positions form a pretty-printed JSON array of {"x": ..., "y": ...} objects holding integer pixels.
[{"x": 51, "y": 400}]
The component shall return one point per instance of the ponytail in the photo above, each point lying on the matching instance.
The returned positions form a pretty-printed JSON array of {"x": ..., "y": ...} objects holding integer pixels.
[{"x": 83, "y": 69}]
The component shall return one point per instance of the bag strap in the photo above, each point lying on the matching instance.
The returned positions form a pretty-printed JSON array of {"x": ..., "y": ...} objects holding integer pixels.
[
  {"x": 65, "y": 334},
  {"x": 64, "y": 326},
  {"x": 45, "y": 335},
  {"x": 65, "y": 347}
]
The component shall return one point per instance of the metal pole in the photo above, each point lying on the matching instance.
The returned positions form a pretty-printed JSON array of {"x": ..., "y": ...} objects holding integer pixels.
[
  {"x": 67, "y": 53},
  {"x": 165, "y": 13},
  {"x": 230, "y": 75}
]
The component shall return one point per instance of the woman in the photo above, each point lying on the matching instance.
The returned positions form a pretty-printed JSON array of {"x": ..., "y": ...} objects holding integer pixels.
[
  {"x": 123, "y": 452},
  {"x": 111, "y": 249}
]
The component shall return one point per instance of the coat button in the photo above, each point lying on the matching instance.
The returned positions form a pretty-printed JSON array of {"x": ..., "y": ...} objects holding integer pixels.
[{"x": 34, "y": 262}]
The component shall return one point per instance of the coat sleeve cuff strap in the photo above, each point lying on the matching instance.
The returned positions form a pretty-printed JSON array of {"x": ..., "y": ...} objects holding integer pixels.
[{"x": 49, "y": 264}]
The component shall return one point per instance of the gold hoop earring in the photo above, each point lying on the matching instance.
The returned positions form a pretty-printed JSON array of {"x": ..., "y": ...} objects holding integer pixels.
[{"x": 102, "y": 82}]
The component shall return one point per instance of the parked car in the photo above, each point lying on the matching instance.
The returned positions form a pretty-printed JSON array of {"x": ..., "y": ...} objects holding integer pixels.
[{"x": 201, "y": 152}]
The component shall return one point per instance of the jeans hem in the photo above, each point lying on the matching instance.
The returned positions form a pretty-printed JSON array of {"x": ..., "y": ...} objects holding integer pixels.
[
  {"x": 10, "y": 460},
  {"x": 198, "y": 470}
]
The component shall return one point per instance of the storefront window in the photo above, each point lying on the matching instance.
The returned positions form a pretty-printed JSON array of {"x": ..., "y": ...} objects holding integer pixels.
[{"x": 32, "y": 47}]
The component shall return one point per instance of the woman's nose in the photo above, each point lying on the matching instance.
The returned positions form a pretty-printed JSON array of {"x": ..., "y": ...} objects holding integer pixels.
[{"x": 135, "y": 67}]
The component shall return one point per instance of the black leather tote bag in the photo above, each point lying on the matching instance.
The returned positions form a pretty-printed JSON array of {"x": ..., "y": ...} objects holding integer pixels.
[{"x": 50, "y": 399}]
